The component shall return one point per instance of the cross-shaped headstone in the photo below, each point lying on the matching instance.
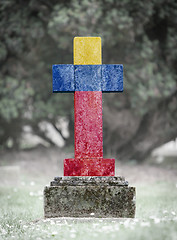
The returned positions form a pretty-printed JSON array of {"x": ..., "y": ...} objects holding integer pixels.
[{"x": 88, "y": 78}]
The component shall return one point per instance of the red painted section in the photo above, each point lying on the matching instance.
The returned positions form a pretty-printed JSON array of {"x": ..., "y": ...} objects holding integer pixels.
[
  {"x": 89, "y": 167},
  {"x": 88, "y": 124},
  {"x": 88, "y": 159}
]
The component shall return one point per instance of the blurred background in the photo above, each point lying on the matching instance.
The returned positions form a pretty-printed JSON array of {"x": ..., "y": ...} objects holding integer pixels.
[
  {"x": 141, "y": 35},
  {"x": 37, "y": 126}
]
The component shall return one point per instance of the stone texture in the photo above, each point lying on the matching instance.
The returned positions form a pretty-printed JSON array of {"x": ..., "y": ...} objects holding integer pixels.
[
  {"x": 87, "y": 77},
  {"x": 85, "y": 181},
  {"x": 89, "y": 167},
  {"x": 71, "y": 78},
  {"x": 87, "y": 50},
  {"x": 89, "y": 197},
  {"x": 63, "y": 78},
  {"x": 88, "y": 124},
  {"x": 112, "y": 77}
]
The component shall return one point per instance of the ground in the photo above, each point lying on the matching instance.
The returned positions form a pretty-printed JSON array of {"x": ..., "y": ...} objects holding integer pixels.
[{"x": 23, "y": 176}]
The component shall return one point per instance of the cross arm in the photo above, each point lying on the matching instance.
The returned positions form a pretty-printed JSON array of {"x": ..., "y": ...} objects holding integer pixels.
[
  {"x": 112, "y": 78},
  {"x": 63, "y": 78},
  {"x": 105, "y": 78}
]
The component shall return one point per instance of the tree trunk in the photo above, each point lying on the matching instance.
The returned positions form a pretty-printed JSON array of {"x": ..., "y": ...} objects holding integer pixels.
[{"x": 156, "y": 127}]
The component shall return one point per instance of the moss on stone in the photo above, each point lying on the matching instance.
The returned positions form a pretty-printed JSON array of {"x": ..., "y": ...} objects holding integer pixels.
[{"x": 81, "y": 200}]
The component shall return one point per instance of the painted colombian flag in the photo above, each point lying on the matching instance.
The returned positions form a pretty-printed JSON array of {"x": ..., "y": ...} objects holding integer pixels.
[{"x": 88, "y": 78}]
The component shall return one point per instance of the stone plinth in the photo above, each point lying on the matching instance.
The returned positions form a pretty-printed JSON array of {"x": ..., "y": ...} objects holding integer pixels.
[{"x": 89, "y": 197}]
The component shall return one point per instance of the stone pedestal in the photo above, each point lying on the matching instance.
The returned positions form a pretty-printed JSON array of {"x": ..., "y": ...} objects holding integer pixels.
[{"x": 89, "y": 197}]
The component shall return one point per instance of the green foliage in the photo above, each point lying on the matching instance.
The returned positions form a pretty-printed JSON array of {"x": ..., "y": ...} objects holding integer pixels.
[
  {"x": 15, "y": 95},
  {"x": 36, "y": 34}
]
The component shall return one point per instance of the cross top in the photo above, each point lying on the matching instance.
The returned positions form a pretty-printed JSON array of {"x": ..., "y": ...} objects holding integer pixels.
[{"x": 88, "y": 78}]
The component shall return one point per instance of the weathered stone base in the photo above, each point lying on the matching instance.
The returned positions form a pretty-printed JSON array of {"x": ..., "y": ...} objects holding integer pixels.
[{"x": 89, "y": 197}]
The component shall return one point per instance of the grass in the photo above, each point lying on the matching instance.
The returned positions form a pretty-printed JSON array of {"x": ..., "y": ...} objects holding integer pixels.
[
  {"x": 21, "y": 216},
  {"x": 21, "y": 202}
]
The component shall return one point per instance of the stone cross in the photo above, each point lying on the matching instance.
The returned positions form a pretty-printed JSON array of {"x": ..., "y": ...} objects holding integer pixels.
[{"x": 88, "y": 78}]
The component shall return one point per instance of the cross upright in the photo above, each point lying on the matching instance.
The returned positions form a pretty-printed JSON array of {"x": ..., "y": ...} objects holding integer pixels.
[{"x": 88, "y": 78}]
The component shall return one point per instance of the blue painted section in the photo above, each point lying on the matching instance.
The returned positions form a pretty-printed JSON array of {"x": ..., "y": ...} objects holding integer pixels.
[
  {"x": 87, "y": 77},
  {"x": 70, "y": 78},
  {"x": 112, "y": 77},
  {"x": 63, "y": 78}
]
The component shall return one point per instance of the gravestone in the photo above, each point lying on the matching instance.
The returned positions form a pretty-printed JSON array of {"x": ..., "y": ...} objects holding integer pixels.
[{"x": 89, "y": 187}]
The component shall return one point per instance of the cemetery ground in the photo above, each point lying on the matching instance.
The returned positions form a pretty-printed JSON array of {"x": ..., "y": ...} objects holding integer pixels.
[{"x": 24, "y": 174}]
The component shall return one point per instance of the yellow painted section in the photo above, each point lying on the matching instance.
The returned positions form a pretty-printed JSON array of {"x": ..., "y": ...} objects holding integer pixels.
[{"x": 87, "y": 51}]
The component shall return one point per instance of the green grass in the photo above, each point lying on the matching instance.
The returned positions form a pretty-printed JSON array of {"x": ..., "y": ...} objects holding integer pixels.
[{"x": 21, "y": 216}]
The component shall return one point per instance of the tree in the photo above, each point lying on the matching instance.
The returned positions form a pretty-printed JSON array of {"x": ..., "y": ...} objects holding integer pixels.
[{"x": 141, "y": 35}]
